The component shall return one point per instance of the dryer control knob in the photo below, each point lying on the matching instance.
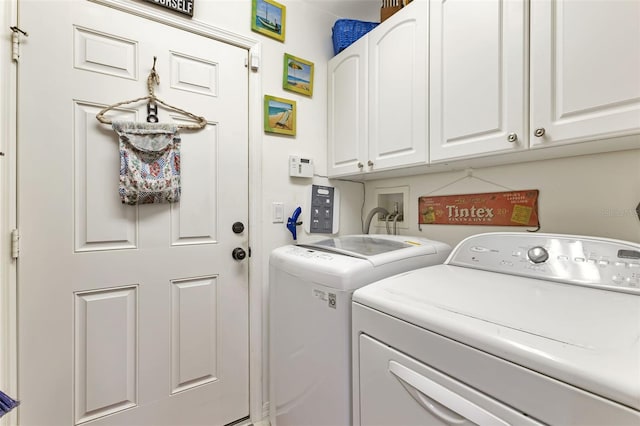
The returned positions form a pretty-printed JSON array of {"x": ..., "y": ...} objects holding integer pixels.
[{"x": 538, "y": 254}]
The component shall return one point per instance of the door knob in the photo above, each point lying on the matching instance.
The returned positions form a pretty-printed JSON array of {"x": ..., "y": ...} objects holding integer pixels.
[{"x": 238, "y": 253}]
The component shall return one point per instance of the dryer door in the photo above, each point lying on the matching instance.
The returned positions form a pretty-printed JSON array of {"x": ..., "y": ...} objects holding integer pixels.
[{"x": 396, "y": 389}]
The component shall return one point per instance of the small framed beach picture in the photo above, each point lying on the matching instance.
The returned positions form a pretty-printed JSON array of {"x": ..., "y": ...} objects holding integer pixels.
[
  {"x": 297, "y": 75},
  {"x": 268, "y": 18},
  {"x": 279, "y": 115}
]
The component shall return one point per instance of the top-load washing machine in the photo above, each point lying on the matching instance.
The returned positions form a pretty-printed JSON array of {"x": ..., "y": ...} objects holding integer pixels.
[
  {"x": 310, "y": 318},
  {"x": 513, "y": 328}
]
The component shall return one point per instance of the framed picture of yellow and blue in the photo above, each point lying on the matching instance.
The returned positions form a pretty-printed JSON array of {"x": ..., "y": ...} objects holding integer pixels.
[
  {"x": 268, "y": 18},
  {"x": 279, "y": 115},
  {"x": 297, "y": 75}
]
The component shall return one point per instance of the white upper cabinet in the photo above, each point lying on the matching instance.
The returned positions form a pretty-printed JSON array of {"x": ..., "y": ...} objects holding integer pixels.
[
  {"x": 477, "y": 78},
  {"x": 347, "y": 110},
  {"x": 398, "y": 90},
  {"x": 378, "y": 97},
  {"x": 445, "y": 83},
  {"x": 585, "y": 70}
]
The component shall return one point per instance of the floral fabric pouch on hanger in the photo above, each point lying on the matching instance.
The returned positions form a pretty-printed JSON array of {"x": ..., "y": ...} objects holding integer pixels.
[{"x": 149, "y": 162}]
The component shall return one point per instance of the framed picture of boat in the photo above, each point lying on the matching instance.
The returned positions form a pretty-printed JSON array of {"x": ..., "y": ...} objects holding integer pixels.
[
  {"x": 297, "y": 75},
  {"x": 268, "y": 18},
  {"x": 279, "y": 115}
]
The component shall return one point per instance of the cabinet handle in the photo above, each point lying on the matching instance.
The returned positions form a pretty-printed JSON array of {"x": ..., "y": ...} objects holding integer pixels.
[
  {"x": 370, "y": 163},
  {"x": 539, "y": 132},
  {"x": 512, "y": 137},
  {"x": 360, "y": 165}
]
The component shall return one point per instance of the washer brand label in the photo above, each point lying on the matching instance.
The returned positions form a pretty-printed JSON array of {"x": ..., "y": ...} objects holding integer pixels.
[
  {"x": 320, "y": 294},
  {"x": 330, "y": 298}
]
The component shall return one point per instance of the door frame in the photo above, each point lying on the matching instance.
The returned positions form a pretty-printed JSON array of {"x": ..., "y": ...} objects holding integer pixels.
[
  {"x": 8, "y": 212},
  {"x": 9, "y": 208}
]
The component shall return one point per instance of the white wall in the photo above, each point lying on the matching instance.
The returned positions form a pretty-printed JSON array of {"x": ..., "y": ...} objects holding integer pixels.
[{"x": 586, "y": 195}]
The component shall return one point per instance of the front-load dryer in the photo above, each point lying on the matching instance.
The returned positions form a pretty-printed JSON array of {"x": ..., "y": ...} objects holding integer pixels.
[
  {"x": 310, "y": 318},
  {"x": 514, "y": 328}
]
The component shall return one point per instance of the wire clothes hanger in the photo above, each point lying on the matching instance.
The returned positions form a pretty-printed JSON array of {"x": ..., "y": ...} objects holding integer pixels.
[
  {"x": 468, "y": 175},
  {"x": 152, "y": 108}
]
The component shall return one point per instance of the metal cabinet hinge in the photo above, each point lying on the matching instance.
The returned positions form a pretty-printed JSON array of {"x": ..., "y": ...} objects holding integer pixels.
[{"x": 15, "y": 244}]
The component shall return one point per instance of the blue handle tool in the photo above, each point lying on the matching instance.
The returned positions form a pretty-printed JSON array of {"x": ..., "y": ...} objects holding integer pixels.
[{"x": 292, "y": 222}]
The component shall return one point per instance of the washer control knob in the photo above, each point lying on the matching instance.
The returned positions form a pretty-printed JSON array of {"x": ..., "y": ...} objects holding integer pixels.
[{"x": 538, "y": 254}]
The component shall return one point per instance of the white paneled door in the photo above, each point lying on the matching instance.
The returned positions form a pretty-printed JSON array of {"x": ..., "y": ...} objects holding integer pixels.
[{"x": 128, "y": 315}]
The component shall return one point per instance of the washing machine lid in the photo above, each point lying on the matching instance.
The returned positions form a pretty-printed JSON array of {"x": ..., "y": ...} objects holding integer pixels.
[
  {"x": 329, "y": 263},
  {"x": 379, "y": 249},
  {"x": 585, "y": 336}
]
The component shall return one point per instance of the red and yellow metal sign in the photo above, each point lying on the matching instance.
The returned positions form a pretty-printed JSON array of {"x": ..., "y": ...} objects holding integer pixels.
[{"x": 512, "y": 208}]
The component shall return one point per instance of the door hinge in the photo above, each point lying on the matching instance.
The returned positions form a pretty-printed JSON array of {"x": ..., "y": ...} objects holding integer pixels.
[
  {"x": 15, "y": 244},
  {"x": 15, "y": 42}
]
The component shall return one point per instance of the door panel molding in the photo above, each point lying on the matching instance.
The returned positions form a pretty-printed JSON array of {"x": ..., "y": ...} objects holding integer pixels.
[
  {"x": 93, "y": 211},
  {"x": 105, "y": 53},
  {"x": 106, "y": 335}
]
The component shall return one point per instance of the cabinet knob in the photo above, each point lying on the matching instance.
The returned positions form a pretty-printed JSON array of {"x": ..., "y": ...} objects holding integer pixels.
[
  {"x": 360, "y": 165},
  {"x": 539, "y": 132},
  {"x": 370, "y": 163},
  {"x": 512, "y": 137}
]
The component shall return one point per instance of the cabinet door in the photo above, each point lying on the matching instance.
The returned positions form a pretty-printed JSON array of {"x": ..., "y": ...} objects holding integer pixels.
[
  {"x": 585, "y": 70},
  {"x": 347, "y": 110},
  {"x": 398, "y": 89},
  {"x": 477, "y": 78}
]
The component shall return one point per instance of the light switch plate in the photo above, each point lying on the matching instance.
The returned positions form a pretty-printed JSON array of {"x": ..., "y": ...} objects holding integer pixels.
[{"x": 277, "y": 212}]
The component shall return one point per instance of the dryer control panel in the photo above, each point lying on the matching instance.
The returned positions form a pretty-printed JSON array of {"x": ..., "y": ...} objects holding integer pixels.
[{"x": 590, "y": 261}]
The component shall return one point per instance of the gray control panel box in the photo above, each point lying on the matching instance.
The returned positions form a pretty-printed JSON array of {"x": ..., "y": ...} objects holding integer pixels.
[{"x": 322, "y": 209}]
